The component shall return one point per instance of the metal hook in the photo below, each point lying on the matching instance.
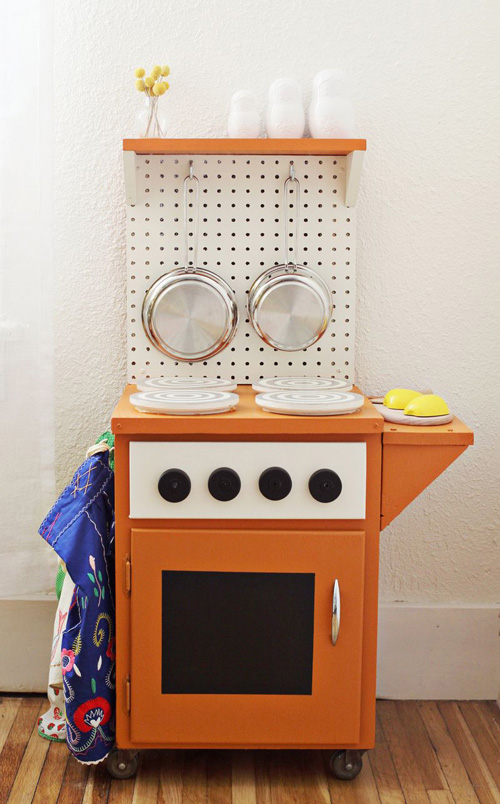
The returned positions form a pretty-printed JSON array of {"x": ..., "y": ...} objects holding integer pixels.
[
  {"x": 191, "y": 168},
  {"x": 292, "y": 171}
]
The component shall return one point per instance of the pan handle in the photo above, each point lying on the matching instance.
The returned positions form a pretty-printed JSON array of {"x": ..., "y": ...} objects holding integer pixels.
[
  {"x": 191, "y": 179},
  {"x": 292, "y": 181}
]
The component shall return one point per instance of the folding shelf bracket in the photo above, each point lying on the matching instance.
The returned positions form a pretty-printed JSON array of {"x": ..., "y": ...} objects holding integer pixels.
[
  {"x": 353, "y": 166},
  {"x": 130, "y": 177}
]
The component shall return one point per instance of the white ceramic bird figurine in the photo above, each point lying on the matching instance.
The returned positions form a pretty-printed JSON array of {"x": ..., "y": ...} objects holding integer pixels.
[
  {"x": 331, "y": 112},
  {"x": 285, "y": 111},
  {"x": 244, "y": 117}
]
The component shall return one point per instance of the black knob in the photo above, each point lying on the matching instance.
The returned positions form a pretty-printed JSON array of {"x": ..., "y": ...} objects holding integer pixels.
[
  {"x": 224, "y": 484},
  {"x": 174, "y": 485},
  {"x": 325, "y": 485},
  {"x": 275, "y": 483}
]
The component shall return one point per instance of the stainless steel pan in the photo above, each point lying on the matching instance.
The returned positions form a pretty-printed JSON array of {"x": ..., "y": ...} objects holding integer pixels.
[
  {"x": 190, "y": 313},
  {"x": 290, "y": 305}
]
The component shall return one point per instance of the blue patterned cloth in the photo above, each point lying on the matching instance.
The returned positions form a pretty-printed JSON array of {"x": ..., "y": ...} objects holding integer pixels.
[{"x": 81, "y": 529}]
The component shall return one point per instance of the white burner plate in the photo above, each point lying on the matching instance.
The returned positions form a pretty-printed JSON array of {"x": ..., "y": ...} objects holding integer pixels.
[
  {"x": 183, "y": 403},
  {"x": 185, "y": 384},
  {"x": 301, "y": 384},
  {"x": 398, "y": 417},
  {"x": 310, "y": 403}
]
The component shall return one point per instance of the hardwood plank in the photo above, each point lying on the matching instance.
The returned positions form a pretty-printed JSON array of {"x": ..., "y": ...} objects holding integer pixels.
[
  {"x": 219, "y": 777},
  {"x": 286, "y": 784},
  {"x": 470, "y": 755},
  {"x": 402, "y": 754},
  {"x": 31, "y": 765},
  {"x": 479, "y": 728},
  {"x": 74, "y": 782},
  {"x": 50, "y": 781},
  {"x": 8, "y": 711},
  {"x": 491, "y": 714},
  {"x": 440, "y": 797},
  {"x": 121, "y": 791},
  {"x": 148, "y": 778},
  {"x": 428, "y": 762},
  {"x": 15, "y": 745},
  {"x": 290, "y": 776},
  {"x": 384, "y": 772},
  {"x": 243, "y": 778},
  {"x": 449, "y": 758},
  {"x": 315, "y": 777},
  {"x": 98, "y": 784},
  {"x": 194, "y": 790},
  {"x": 262, "y": 779},
  {"x": 171, "y": 777}
]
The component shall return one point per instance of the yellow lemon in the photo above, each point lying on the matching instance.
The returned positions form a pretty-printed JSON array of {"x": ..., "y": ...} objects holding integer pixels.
[
  {"x": 427, "y": 405},
  {"x": 140, "y": 73},
  {"x": 165, "y": 70},
  {"x": 398, "y": 398},
  {"x": 139, "y": 84}
]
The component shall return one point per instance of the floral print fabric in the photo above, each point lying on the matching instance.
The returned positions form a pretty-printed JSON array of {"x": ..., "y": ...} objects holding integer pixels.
[{"x": 80, "y": 527}]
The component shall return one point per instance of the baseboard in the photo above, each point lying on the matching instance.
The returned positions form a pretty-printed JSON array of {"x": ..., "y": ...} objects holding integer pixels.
[
  {"x": 25, "y": 637},
  {"x": 435, "y": 652},
  {"x": 425, "y": 652}
]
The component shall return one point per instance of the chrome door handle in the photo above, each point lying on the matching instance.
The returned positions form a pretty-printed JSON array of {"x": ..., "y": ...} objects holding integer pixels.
[{"x": 336, "y": 612}]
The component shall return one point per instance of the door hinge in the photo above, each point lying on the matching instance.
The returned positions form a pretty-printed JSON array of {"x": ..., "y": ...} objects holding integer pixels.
[
  {"x": 127, "y": 694},
  {"x": 128, "y": 575}
]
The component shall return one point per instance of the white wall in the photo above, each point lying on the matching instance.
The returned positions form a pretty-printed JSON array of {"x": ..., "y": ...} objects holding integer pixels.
[{"x": 425, "y": 76}]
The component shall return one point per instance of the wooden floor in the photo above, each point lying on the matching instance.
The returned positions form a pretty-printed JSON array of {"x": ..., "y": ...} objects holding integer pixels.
[{"x": 428, "y": 752}]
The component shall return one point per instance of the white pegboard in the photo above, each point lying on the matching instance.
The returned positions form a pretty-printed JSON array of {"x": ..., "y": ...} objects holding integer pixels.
[{"x": 242, "y": 234}]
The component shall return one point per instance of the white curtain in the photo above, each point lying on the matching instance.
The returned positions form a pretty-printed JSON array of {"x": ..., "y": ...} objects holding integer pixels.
[{"x": 26, "y": 376}]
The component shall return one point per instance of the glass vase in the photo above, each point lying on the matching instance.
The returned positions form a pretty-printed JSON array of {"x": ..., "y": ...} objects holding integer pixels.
[{"x": 151, "y": 120}]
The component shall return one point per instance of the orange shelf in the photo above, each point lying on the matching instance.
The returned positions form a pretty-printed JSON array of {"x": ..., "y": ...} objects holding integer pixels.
[
  {"x": 352, "y": 149},
  {"x": 302, "y": 147}
]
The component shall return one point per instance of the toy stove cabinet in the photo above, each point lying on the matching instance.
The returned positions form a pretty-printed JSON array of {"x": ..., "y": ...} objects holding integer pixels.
[{"x": 252, "y": 622}]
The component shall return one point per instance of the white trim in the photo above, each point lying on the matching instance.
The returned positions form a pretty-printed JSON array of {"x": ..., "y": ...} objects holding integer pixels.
[
  {"x": 437, "y": 652},
  {"x": 26, "y": 637}
]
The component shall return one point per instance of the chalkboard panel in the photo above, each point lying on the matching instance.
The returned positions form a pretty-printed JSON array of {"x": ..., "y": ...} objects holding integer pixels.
[{"x": 247, "y": 633}]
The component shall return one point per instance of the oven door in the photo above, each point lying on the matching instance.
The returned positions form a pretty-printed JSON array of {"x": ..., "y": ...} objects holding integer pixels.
[{"x": 233, "y": 637}]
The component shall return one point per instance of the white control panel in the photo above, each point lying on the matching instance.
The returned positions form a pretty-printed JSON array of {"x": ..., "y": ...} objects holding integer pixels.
[{"x": 178, "y": 480}]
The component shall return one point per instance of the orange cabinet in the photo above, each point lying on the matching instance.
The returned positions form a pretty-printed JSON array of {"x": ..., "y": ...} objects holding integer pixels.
[{"x": 231, "y": 637}]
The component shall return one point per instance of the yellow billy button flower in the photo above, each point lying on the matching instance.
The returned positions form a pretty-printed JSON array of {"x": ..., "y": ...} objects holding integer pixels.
[
  {"x": 156, "y": 72},
  {"x": 166, "y": 85},
  {"x": 159, "y": 88},
  {"x": 165, "y": 70},
  {"x": 140, "y": 73},
  {"x": 139, "y": 85},
  {"x": 149, "y": 82}
]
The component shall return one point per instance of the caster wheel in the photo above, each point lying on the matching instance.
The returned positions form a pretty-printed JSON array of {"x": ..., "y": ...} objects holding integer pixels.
[
  {"x": 122, "y": 764},
  {"x": 346, "y": 765}
]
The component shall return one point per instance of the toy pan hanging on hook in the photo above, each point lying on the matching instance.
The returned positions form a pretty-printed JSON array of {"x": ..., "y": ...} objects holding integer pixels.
[
  {"x": 290, "y": 305},
  {"x": 190, "y": 313}
]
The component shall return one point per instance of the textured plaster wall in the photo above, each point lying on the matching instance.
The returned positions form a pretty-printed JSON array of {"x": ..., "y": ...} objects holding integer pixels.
[{"x": 425, "y": 76}]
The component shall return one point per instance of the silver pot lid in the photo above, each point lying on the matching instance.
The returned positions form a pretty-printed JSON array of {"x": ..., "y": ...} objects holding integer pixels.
[
  {"x": 190, "y": 316},
  {"x": 290, "y": 311}
]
